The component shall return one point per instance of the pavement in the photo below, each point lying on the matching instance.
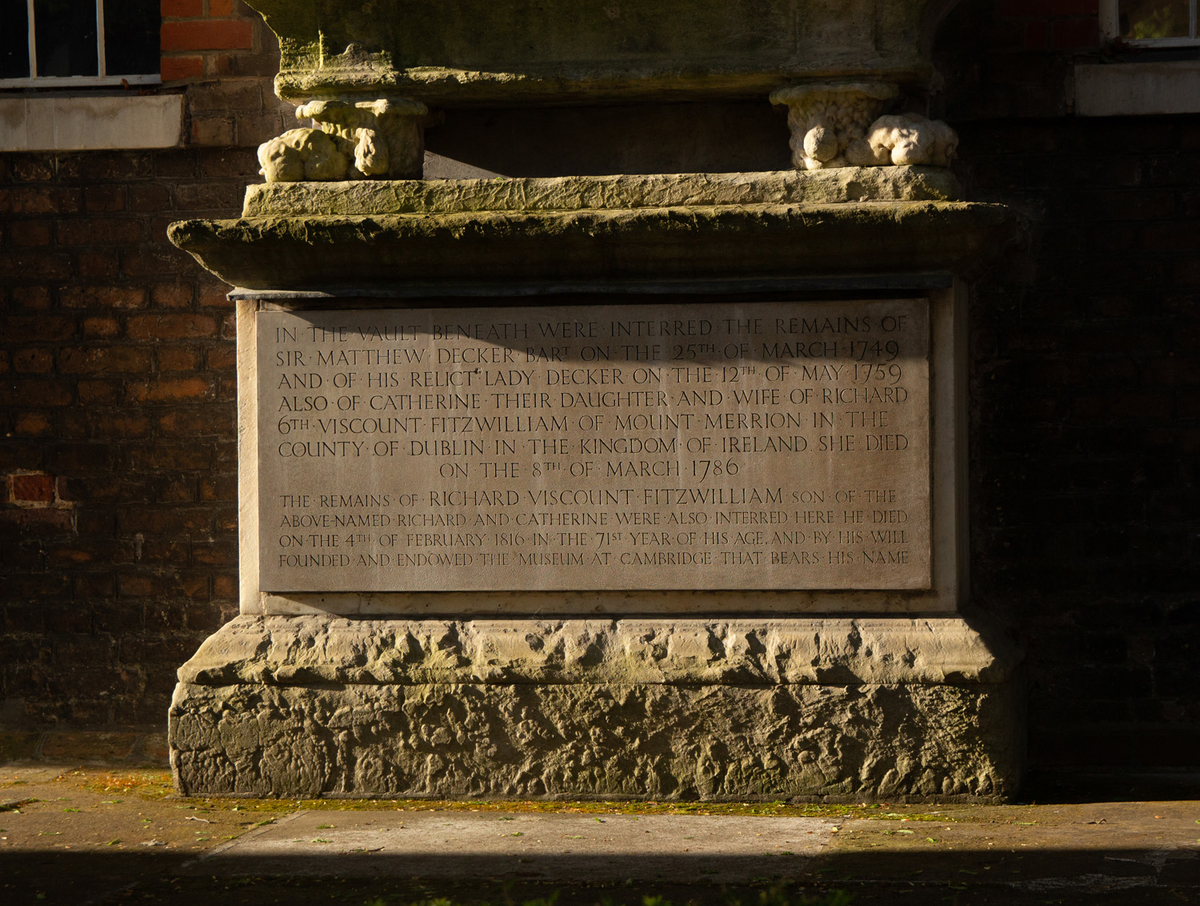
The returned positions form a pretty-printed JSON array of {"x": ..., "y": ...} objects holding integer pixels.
[{"x": 117, "y": 834}]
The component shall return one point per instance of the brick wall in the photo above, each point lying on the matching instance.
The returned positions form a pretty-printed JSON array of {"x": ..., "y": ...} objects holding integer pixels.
[
  {"x": 118, "y": 517},
  {"x": 1085, "y": 391},
  {"x": 118, "y": 549}
]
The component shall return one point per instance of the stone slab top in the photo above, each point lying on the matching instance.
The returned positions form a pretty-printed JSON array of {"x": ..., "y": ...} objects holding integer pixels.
[
  {"x": 591, "y": 51},
  {"x": 581, "y": 193},
  {"x": 348, "y": 255},
  {"x": 282, "y": 650}
]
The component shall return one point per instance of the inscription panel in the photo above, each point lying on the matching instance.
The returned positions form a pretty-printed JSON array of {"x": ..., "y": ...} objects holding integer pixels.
[{"x": 750, "y": 446}]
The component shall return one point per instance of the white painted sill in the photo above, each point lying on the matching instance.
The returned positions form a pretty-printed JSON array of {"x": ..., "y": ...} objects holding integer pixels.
[
  {"x": 1137, "y": 89},
  {"x": 90, "y": 123}
]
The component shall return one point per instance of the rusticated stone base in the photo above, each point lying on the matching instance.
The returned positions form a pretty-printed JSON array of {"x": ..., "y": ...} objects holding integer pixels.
[{"x": 482, "y": 713}]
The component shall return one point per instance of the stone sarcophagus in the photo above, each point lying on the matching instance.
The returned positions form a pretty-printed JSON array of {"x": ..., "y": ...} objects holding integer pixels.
[{"x": 621, "y": 485}]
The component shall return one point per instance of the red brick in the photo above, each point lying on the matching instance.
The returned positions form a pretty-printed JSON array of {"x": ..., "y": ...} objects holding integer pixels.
[
  {"x": 34, "y": 297},
  {"x": 32, "y": 424},
  {"x": 99, "y": 264},
  {"x": 32, "y": 361},
  {"x": 35, "y": 393},
  {"x": 152, "y": 197},
  {"x": 194, "y": 423},
  {"x": 222, "y": 358},
  {"x": 32, "y": 169},
  {"x": 35, "y": 265},
  {"x": 172, "y": 295},
  {"x": 101, "y": 392},
  {"x": 213, "y": 294},
  {"x": 169, "y": 390},
  {"x": 181, "y": 9},
  {"x": 45, "y": 200},
  {"x": 116, "y": 297},
  {"x": 101, "y": 328},
  {"x": 220, "y": 8},
  {"x": 155, "y": 262},
  {"x": 33, "y": 488},
  {"x": 174, "y": 358},
  {"x": 29, "y": 232},
  {"x": 173, "y": 68},
  {"x": 121, "y": 425},
  {"x": 106, "y": 165},
  {"x": 100, "y": 232},
  {"x": 170, "y": 327},
  {"x": 212, "y": 130},
  {"x": 104, "y": 199},
  {"x": 97, "y": 359},
  {"x": 219, "y": 34},
  {"x": 41, "y": 521}
]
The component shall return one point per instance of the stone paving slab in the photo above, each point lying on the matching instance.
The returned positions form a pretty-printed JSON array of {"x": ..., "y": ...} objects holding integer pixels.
[{"x": 552, "y": 847}]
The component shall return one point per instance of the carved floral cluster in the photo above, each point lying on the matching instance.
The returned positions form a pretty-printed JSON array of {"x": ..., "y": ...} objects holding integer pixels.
[{"x": 353, "y": 141}]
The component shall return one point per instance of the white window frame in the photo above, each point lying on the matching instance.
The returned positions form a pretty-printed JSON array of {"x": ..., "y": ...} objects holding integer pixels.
[
  {"x": 1110, "y": 27},
  {"x": 103, "y": 78}
]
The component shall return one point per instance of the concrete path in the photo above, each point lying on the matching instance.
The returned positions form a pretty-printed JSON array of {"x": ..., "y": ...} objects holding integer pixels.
[
  {"x": 554, "y": 847},
  {"x": 116, "y": 835}
]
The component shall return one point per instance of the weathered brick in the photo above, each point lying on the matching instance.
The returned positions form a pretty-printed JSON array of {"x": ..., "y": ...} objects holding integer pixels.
[
  {"x": 182, "y": 9},
  {"x": 149, "y": 197},
  {"x": 105, "y": 231},
  {"x": 105, "y": 199},
  {"x": 31, "y": 297},
  {"x": 37, "y": 488},
  {"x": 29, "y": 233},
  {"x": 35, "y": 393},
  {"x": 32, "y": 361},
  {"x": 101, "y": 327},
  {"x": 218, "y": 34},
  {"x": 112, "y": 297},
  {"x": 98, "y": 264},
  {"x": 105, "y": 165},
  {"x": 172, "y": 295},
  {"x": 32, "y": 424},
  {"x": 171, "y": 327},
  {"x": 95, "y": 359},
  {"x": 178, "y": 67},
  {"x": 175, "y": 358},
  {"x": 169, "y": 390}
]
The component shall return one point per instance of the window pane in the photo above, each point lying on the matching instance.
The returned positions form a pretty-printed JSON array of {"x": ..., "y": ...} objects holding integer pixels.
[
  {"x": 1141, "y": 19},
  {"x": 14, "y": 40},
  {"x": 66, "y": 37},
  {"x": 131, "y": 37}
]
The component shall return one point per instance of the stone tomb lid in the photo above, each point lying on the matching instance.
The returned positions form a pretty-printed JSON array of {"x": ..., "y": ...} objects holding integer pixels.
[{"x": 556, "y": 51}]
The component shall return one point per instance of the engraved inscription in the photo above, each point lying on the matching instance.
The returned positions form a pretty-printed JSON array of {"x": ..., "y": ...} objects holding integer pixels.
[{"x": 752, "y": 446}]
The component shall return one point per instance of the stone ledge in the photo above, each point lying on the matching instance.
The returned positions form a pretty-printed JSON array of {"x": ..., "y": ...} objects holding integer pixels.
[
  {"x": 323, "y": 253},
  {"x": 302, "y": 650},
  {"x": 577, "y": 193}
]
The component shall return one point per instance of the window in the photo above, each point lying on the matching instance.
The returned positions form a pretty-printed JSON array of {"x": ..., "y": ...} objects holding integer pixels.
[
  {"x": 1155, "y": 23},
  {"x": 68, "y": 43}
]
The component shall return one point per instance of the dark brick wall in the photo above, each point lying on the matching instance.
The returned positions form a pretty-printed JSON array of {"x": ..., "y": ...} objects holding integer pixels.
[
  {"x": 118, "y": 549},
  {"x": 1085, "y": 390}
]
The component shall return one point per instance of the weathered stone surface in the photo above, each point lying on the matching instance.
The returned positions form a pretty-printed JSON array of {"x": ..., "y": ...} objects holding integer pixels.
[
  {"x": 581, "y": 193},
  {"x": 566, "y": 50},
  {"x": 282, "y": 650},
  {"x": 633, "y": 708},
  {"x": 335, "y": 253}
]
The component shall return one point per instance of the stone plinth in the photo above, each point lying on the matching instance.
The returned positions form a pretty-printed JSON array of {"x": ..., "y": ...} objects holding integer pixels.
[
  {"x": 809, "y": 709},
  {"x": 401, "y": 640}
]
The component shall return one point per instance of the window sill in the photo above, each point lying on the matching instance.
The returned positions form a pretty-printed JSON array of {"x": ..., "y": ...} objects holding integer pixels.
[
  {"x": 1137, "y": 89},
  {"x": 90, "y": 123}
]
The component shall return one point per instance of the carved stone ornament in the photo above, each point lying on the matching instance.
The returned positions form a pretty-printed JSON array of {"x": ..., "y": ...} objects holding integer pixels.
[
  {"x": 355, "y": 140},
  {"x": 838, "y": 124}
]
